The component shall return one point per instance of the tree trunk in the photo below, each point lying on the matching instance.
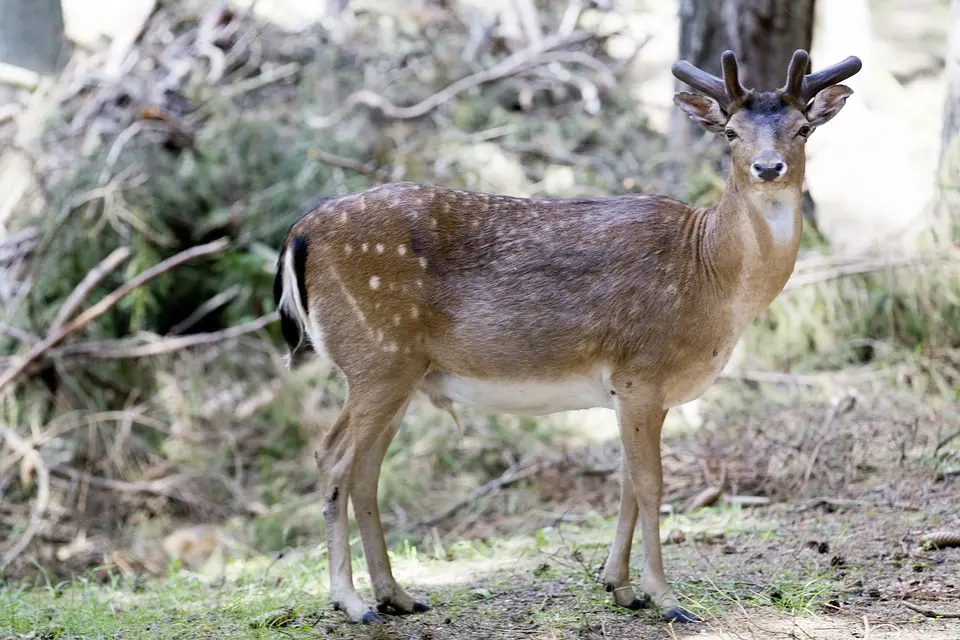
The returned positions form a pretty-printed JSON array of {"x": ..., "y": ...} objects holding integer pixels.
[
  {"x": 949, "y": 165},
  {"x": 31, "y": 34},
  {"x": 763, "y": 33}
]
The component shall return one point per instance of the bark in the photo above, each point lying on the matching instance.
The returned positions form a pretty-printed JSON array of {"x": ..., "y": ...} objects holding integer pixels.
[
  {"x": 31, "y": 34},
  {"x": 951, "y": 109},
  {"x": 949, "y": 165},
  {"x": 763, "y": 33}
]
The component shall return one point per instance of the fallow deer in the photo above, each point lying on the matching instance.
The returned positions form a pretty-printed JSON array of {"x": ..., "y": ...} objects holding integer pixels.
[{"x": 534, "y": 306}]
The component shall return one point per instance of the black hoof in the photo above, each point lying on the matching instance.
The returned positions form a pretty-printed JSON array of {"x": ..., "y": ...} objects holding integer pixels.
[
  {"x": 419, "y": 607},
  {"x": 639, "y": 603},
  {"x": 389, "y": 608},
  {"x": 371, "y": 618},
  {"x": 679, "y": 614}
]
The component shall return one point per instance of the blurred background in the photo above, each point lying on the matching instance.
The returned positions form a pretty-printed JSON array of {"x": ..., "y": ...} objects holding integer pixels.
[{"x": 154, "y": 153}]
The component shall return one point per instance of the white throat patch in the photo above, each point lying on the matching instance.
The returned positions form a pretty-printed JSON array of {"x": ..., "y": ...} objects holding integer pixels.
[{"x": 778, "y": 211}]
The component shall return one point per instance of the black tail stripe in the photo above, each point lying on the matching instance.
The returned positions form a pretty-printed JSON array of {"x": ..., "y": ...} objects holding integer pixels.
[{"x": 300, "y": 267}]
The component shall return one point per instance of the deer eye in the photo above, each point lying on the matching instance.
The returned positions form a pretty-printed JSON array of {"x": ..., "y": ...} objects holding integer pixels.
[
  {"x": 804, "y": 131},
  {"x": 730, "y": 134}
]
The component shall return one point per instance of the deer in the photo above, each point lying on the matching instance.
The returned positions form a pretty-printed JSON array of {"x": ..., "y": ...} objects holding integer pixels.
[{"x": 532, "y": 306}]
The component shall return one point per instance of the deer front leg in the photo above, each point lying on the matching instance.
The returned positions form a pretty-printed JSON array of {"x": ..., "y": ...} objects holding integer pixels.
[
  {"x": 616, "y": 573},
  {"x": 640, "y": 412}
]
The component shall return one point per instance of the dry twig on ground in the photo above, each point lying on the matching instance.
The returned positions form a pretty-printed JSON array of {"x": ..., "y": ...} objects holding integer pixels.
[{"x": 27, "y": 453}]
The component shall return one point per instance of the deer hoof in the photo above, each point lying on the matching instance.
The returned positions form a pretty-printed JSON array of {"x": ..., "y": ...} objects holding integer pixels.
[
  {"x": 679, "y": 614},
  {"x": 390, "y": 607},
  {"x": 371, "y": 618},
  {"x": 639, "y": 603}
]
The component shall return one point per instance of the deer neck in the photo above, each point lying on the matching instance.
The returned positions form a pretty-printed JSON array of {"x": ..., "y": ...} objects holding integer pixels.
[{"x": 769, "y": 222}]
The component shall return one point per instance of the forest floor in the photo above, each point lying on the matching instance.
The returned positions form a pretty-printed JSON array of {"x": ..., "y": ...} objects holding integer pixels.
[{"x": 845, "y": 563}]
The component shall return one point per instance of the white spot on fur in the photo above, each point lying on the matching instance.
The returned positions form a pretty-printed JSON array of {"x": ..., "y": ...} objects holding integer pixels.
[
  {"x": 392, "y": 348},
  {"x": 419, "y": 201},
  {"x": 374, "y": 282},
  {"x": 423, "y": 264},
  {"x": 344, "y": 216},
  {"x": 347, "y": 249},
  {"x": 433, "y": 222},
  {"x": 363, "y": 204},
  {"x": 419, "y": 282},
  {"x": 396, "y": 319},
  {"x": 364, "y": 247},
  {"x": 446, "y": 207},
  {"x": 415, "y": 312},
  {"x": 475, "y": 224},
  {"x": 402, "y": 249},
  {"x": 380, "y": 248},
  {"x": 379, "y": 335}
]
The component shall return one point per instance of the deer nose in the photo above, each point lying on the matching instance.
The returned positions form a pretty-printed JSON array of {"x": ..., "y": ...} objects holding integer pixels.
[{"x": 768, "y": 167}]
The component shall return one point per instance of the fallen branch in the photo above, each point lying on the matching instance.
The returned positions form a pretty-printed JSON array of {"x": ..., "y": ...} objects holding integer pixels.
[
  {"x": 162, "y": 487},
  {"x": 798, "y": 280},
  {"x": 521, "y": 60},
  {"x": 510, "y": 476},
  {"x": 104, "y": 305},
  {"x": 929, "y": 613},
  {"x": 28, "y": 453},
  {"x": 121, "y": 350},
  {"x": 79, "y": 294}
]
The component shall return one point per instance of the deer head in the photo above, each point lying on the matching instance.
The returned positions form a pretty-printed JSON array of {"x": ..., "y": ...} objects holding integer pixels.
[{"x": 767, "y": 130}]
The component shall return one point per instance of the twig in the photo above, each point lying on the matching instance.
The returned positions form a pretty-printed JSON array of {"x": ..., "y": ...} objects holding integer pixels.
[
  {"x": 23, "y": 448},
  {"x": 511, "y": 65},
  {"x": 161, "y": 487},
  {"x": 340, "y": 161},
  {"x": 507, "y": 478},
  {"x": 107, "y": 303},
  {"x": 17, "y": 334},
  {"x": 929, "y": 613},
  {"x": 205, "y": 309},
  {"x": 265, "y": 78},
  {"x": 807, "y": 379},
  {"x": 119, "y": 350},
  {"x": 89, "y": 282}
]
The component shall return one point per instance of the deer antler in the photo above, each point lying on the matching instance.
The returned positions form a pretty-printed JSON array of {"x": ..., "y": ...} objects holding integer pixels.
[
  {"x": 805, "y": 87},
  {"x": 728, "y": 91}
]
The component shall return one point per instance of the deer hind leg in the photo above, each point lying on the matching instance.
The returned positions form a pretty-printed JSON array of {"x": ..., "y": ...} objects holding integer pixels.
[
  {"x": 391, "y": 598},
  {"x": 641, "y": 415},
  {"x": 368, "y": 412},
  {"x": 616, "y": 573}
]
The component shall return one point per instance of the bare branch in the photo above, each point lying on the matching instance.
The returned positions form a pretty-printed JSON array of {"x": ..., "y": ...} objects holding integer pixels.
[
  {"x": 121, "y": 349},
  {"x": 79, "y": 294},
  {"x": 104, "y": 305},
  {"x": 511, "y": 65}
]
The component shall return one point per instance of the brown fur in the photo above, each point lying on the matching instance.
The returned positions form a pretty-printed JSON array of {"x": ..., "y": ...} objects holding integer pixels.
[{"x": 411, "y": 284}]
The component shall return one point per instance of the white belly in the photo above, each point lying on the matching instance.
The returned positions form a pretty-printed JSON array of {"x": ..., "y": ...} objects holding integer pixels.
[{"x": 527, "y": 397}]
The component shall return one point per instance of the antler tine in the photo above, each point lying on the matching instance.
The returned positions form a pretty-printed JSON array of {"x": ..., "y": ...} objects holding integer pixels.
[
  {"x": 835, "y": 74},
  {"x": 795, "y": 72},
  {"x": 700, "y": 80},
  {"x": 731, "y": 77}
]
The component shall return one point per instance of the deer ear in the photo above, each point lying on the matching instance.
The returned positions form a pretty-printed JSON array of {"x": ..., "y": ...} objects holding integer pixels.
[
  {"x": 703, "y": 110},
  {"x": 827, "y": 104}
]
